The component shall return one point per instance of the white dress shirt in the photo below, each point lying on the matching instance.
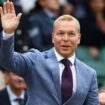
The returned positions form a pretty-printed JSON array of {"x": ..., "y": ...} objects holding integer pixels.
[
  {"x": 61, "y": 67},
  {"x": 12, "y": 96}
]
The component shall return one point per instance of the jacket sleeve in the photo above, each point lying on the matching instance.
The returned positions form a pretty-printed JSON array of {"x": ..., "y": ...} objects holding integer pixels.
[
  {"x": 13, "y": 61},
  {"x": 93, "y": 97}
]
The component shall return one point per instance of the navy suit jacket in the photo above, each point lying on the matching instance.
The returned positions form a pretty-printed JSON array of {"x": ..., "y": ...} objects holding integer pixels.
[
  {"x": 4, "y": 98},
  {"x": 41, "y": 73}
]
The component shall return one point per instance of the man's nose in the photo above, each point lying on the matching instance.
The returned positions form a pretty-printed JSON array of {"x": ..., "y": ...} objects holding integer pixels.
[{"x": 66, "y": 38}]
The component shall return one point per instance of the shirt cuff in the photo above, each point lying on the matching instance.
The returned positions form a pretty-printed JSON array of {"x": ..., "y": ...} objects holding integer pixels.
[{"x": 7, "y": 36}]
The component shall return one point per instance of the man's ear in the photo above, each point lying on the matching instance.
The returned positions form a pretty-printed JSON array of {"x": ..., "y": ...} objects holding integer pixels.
[{"x": 52, "y": 37}]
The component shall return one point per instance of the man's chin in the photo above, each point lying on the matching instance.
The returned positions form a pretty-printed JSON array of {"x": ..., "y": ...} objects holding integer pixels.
[{"x": 65, "y": 54}]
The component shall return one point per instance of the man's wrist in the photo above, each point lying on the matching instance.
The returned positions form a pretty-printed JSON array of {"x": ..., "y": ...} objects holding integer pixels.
[{"x": 6, "y": 36}]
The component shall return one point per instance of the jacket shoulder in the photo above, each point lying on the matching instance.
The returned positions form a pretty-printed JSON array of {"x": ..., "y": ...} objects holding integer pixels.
[{"x": 85, "y": 67}]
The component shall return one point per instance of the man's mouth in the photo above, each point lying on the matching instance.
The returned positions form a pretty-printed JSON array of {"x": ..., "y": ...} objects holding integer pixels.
[{"x": 65, "y": 46}]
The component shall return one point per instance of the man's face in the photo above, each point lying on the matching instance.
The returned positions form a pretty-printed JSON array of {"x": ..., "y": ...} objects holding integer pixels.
[
  {"x": 66, "y": 38},
  {"x": 16, "y": 82}
]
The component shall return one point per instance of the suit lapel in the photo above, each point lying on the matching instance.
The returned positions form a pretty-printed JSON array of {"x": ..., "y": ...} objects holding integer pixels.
[
  {"x": 55, "y": 72},
  {"x": 79, "y": 84}
]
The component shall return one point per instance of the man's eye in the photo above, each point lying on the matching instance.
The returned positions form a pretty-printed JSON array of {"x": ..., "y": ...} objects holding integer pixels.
[
  {"x": 60, "y": 33},
  {"x": 72, "y": 34}
]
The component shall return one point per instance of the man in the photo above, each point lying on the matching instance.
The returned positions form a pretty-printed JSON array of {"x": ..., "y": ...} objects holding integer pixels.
[
  {"x": 14, "y": 91},
  {"x": 40, "y": 29},
  {"x": 53, "y": 77}
]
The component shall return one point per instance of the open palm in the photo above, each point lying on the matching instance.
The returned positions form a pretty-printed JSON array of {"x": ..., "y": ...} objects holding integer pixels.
[{"x": 9, "y": 19}]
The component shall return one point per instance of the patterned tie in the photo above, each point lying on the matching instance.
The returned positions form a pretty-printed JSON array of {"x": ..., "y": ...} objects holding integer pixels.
[
  {"x": 20, "y": 101},
  {"x": 67, "y": 82}
]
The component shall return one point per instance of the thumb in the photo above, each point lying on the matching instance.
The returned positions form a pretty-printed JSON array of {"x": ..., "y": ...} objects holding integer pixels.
[{"x": 19, "y": 16}]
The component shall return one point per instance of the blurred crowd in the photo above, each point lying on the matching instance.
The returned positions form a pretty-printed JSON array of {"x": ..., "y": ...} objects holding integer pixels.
[
  {"x": 37, "y": 21},
  {"x": 14, "y": 90},
  {"x": 38, "y": 15}
]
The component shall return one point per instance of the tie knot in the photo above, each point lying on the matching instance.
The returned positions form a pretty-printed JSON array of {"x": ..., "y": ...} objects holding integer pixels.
[{"x": 66, "y": 62}]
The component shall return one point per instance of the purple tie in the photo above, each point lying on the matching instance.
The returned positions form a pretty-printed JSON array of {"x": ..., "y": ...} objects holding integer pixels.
[{"x": 67, "y": 82}]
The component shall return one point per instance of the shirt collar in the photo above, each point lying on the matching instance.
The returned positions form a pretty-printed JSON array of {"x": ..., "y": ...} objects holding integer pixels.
[
  {"x": 12, "y": 96},
  {"x": 59, "y": 57}
]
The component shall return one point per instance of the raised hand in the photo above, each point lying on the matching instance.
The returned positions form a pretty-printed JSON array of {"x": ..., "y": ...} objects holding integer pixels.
[{"x": 9, "y": 19}]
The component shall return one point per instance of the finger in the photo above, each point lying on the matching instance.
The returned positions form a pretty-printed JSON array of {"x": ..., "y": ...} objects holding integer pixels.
[
  {"x": 19, "y": 16},
  {"x": 8, "y": 6},
  {"x": 1, "y": 11},
  {"x": 4, "y": 8},
  {"x": 12, "y": 8}
]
